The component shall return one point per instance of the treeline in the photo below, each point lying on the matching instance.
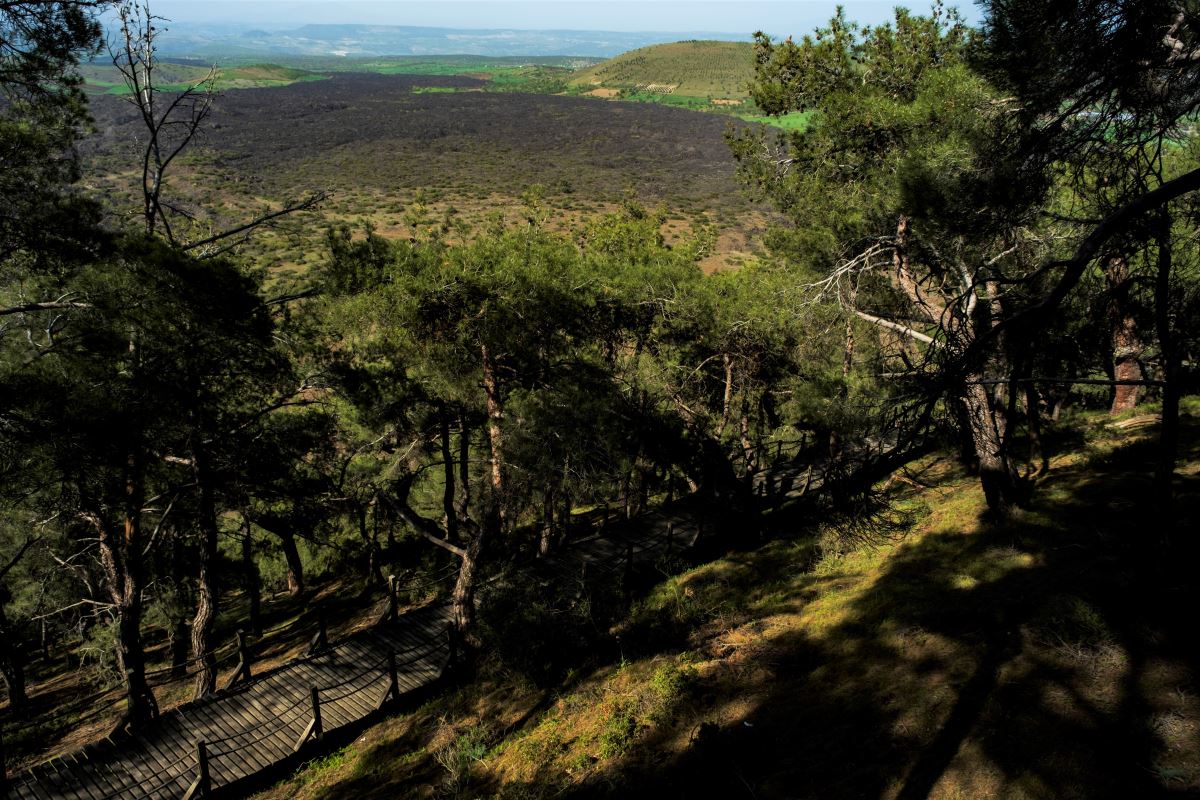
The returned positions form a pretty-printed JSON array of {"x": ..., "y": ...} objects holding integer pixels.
[{"x": 970, "y": 238}]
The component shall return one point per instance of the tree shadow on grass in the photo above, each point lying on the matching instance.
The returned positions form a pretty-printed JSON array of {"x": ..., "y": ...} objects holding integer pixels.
[
  {"x": 1053, "y": 656},
  {"x": 1047, "y": 657}
]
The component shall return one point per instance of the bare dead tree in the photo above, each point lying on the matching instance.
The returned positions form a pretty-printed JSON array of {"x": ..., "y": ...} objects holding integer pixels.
[{"x": 172, "y": 122}]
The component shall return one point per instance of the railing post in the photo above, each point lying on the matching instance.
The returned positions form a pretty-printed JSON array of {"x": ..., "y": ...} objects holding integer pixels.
[
  {"x": 394, "y": 688},
  {"x": 320, "y": 640},
  {"x": 203, "y": 780},
  {"x": 393, "y": 611},
  {"x": 243, "y": 654},
  {"x": 316, "y": 709}
]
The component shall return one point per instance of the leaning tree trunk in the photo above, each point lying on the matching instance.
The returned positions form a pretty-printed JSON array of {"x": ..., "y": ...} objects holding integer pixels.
[
  {"x": 295, "y": 567},
  {"x": 205, "y": 620},
  {"x": 1126, "y": 344},
  {"x": 463, "y": 596}
]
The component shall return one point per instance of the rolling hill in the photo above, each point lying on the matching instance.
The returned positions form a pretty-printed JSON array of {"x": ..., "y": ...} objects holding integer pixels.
[
  {"x": 710, "y": 69},
  {"x": 180, "y": 74}
]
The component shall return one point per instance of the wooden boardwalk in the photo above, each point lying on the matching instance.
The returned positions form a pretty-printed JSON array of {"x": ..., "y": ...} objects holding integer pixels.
[
  {"x": 254, "y": 725},
  {"x": 258, "y": 724}
]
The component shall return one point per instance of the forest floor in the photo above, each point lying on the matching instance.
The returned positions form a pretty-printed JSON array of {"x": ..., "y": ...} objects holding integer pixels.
[{"x": 1053, "y": 655}]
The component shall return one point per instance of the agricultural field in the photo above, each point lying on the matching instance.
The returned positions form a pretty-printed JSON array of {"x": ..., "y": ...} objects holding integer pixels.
[{"x": 396, "y": 155}]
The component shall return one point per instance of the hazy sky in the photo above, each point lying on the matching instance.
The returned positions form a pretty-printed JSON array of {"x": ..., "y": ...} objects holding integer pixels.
[{"x": 725, "y": 16}]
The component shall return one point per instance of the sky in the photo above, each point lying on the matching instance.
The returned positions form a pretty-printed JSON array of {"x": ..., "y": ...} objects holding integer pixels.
[{"x": 725, "y": 16}]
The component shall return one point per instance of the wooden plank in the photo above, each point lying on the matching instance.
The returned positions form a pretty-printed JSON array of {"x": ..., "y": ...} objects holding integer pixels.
[
  {"x": 241, "y": 741},
  {"x": 220, "y": 726},
  {"x": 38, "y": 790},
  {"x": 270, "y": 745},
  {"x": 133, "y": 771},
  {"x": 357, "y": 704},
  {"x": 115, "y": 783},
  {"x": 175, "y": 738},
  {"x": 63, "y": 780},
  {"x": 299, "y": 680},
  {"x": 105, "y": 781}
]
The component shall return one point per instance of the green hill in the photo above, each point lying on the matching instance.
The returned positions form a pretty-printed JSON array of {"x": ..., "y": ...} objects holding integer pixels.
[
  {"x": 106, "y": 79},
  {"x": 693, "y": 68}
]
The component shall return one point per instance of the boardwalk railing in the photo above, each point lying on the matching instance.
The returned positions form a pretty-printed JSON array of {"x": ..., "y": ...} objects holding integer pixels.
[
  {"x": 259, "y": 722},
  {"x": 221, "y": 740}
]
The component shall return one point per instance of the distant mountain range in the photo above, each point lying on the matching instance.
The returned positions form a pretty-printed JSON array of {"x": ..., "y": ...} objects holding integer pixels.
[{"x": 183, "y": 40}]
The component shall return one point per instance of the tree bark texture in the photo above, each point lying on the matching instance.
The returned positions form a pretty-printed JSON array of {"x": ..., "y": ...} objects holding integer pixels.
[
  {"x": 1126, "y": 344},
  {"x": 121, "y": 560},
  {"x": 996, "y": 473},
  {"x": 295, "y": 567},
  {"x": 207, "y": 598}
]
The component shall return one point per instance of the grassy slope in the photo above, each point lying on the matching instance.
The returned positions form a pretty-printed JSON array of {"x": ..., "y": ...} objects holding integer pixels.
[
  {"x": 701, "y": 76},
  {"x": 177, "y": 77},
  {"x": 1053, "y": 656},
  {"x": 698, "y": 69}
]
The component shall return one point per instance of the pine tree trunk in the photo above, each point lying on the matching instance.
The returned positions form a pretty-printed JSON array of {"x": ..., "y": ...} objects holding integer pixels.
[
  {"x": 462, "y": 500},
  {"x": 462, "y": 599},
  {"x": 996, "y": 472},
  {"x": 495, "y": 412},
  {"x": 1126, "y": 344},
  {"x": 121, "y": 561},
  {"x": 374, "y": 574},
  {"x": 252, "y": 579},
  {"x": 448, "y": 507},
  {"x": 295, "y": 567},
  {"x": 207, "y": 599},
  {"x": 727, "y": 397}
]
